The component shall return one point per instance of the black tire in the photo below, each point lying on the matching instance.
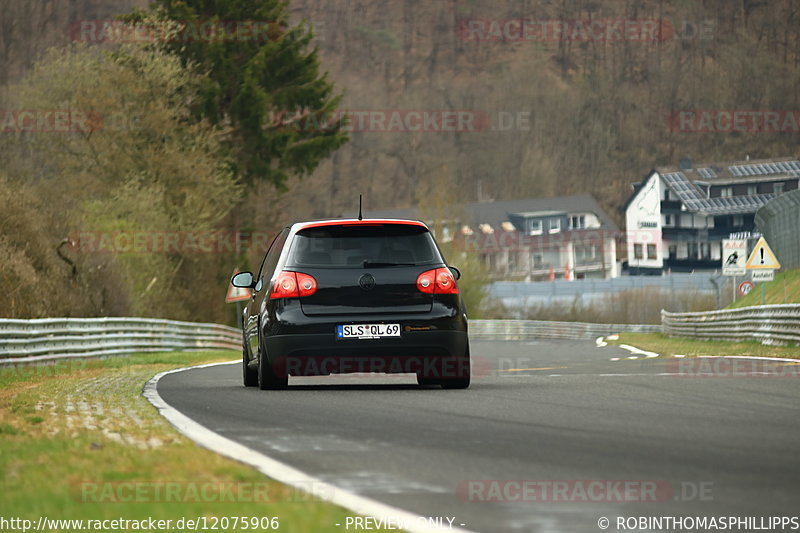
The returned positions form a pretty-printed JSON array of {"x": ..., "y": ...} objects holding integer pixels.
[
  {"x": 249, "y": 376},
  {"x": 267, "y": 379},
  {"x": 462, "y": 378},
  {"x": 422, "y": 380}
]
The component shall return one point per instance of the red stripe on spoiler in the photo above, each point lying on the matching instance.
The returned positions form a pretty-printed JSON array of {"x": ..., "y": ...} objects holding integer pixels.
[{"x": 365, "y": 222}]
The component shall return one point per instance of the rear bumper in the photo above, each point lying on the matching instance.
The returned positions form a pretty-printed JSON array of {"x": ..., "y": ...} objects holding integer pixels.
[
  {"x": 435, "y": 353},
  {"x": 429, "y": 343}
]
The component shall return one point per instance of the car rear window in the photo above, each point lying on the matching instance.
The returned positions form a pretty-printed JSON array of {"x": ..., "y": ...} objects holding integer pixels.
[{"x": 352, "y": 246}]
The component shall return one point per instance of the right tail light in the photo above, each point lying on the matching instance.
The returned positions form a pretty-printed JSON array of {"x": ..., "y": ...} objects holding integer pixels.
[{"x": 437, "y": 281}]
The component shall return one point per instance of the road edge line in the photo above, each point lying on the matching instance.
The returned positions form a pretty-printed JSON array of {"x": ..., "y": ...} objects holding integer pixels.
[{"x": 273, "y": 468}]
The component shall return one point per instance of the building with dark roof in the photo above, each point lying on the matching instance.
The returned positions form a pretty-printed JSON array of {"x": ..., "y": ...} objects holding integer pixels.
[
  {"x": 677, "y": 217},
  {"x": 566, "y": 237}
]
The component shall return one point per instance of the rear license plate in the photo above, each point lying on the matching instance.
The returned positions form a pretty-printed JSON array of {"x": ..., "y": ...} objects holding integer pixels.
[{"x": 367, "y": 331}]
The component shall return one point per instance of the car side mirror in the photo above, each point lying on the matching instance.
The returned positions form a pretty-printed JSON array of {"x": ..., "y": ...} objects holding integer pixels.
[
  {"x": 456, "y": 272},
  {"x": 243, "y": 280}
]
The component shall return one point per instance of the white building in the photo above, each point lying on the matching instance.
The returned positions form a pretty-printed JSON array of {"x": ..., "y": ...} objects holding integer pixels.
[
  {"x": 677, "y": 217},
  {"x": 535, "y": 239}
]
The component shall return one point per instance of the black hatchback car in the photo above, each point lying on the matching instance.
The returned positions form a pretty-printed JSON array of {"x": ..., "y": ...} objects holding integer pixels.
[{"x": 354, "y": 296}]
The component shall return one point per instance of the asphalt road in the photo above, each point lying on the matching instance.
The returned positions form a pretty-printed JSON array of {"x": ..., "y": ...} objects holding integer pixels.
[{"x": 726, "y": 444}]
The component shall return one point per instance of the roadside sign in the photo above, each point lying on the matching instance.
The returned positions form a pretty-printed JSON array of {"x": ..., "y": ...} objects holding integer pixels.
[
  {"x": 763, "y": 275},
  {"x": 762, "y": 257},
  {"x": 734, "y": 257},
  {"x": 745, "y": 287},
  {"x": 237, "y": 294}
]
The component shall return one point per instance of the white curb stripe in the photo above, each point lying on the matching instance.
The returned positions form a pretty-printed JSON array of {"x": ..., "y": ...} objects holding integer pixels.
[
  {"x": 276, "y": 469},
  {"x": 635, "y": 350}
]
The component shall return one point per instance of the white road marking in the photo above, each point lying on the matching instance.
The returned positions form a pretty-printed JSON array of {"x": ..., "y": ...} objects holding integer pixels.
[
  {"x": 634, "y": 349},
  {"x": 600, "y": 342},
  {"x": 276, "y": 469}
]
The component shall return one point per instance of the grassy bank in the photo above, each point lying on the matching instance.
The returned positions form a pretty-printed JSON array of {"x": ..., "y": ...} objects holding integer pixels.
[
  {"x": 656, "y": 342},
  {"x": 78, "y": 441},
  {"x": 785, "y": 289}
]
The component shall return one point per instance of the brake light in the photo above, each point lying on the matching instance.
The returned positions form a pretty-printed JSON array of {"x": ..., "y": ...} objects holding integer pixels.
[
  {"x": 293, "y": 285},
  {"x": 437, "y": 281},
  {"x": 445, "y": 282},
  {"x": 306, "y": 284}
]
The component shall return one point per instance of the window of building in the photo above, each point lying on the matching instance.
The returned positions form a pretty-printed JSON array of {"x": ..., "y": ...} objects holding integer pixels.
[
  {"x": 673, "y": 251},
  {"x": 534, "y": 227},
  {"x": 667, "y": 220},
  {"x": 651, "y": 251},
  {"x": 638, "y": 251},
  {"x": 726, "y": 192},
  {"x": 777, "y": 188},
  {"x": 555, "y": 225},
  {"x": 537, "y": 261},
  {"x": 752, "y": 190},
  {"x": 666, "y": 195},
  {"x": 577, "y": 222},
  {"x": 511, "y": 263},
  {"x": 738, "y": 220},
  {"x": 692, "y": 250}
]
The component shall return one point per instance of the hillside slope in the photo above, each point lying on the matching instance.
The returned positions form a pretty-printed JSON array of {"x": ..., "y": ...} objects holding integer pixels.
[
  {"x": 557, "y": 116},
  {"x": 785, "y": 289}
]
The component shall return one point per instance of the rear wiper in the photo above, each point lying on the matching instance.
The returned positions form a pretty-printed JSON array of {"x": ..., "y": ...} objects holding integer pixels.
[{"x": 368, "y": 264}]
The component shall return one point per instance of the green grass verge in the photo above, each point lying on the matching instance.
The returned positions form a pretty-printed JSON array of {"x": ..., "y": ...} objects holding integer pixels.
[
  {"x": 656, "y": 342},
  {"x": 78, "y": 441},
  {"x": 785, "y": 289}
]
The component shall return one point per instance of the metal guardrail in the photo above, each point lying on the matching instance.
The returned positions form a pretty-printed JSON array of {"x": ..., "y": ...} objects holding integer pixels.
[
  {"x": 778, "y": 220},
  {"x": 769, "y": 324},
  {"x": 544, "y": 329},
  {"x": 59, "y": 338},
  {"x": 23, "y": 341}
]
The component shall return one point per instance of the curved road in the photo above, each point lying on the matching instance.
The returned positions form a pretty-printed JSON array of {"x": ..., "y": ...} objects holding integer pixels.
[{"x": 558, "y": 415}]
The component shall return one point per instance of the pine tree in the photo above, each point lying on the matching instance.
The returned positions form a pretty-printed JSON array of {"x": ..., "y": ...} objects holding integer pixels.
[{"x": 263, "y": 84}]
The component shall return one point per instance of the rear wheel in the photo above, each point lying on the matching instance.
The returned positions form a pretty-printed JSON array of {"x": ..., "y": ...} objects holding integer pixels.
[
  {"x": 267, "y": 378},
  {"x": 422, "y": 380},
  {"x": 249, "y": 376},
  {"x": 461, "y": 378}
]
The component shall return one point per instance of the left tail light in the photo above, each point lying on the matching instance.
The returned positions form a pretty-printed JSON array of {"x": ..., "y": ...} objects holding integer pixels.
[
  {"x": 437, "y": 281},
  {"x": 293, "y": 285}
]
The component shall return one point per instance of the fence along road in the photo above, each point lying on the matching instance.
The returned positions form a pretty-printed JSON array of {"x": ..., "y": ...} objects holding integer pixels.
[
  {"x": 59, "y": 338},
  {"x": 770, "y": 324}
]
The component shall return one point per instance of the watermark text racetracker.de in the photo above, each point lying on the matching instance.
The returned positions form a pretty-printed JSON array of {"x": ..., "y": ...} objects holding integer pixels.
[
  {"x": 731, "y": 367},
  {"x": 582, "y": 490},
  {"x": 17, "y": 121},
  {"x": 401, "y": 120},
  {"x": 734, "y": 121},
  {"x": 186, "y": 31},
  {"x": 168, "y": 242},
  {"x": 601, "y": 30},
  {"x": 198, "y": 492}
]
